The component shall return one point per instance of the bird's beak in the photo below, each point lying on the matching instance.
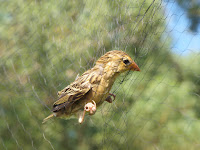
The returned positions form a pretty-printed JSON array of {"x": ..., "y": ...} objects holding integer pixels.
[{"x": 134, "y": 67}]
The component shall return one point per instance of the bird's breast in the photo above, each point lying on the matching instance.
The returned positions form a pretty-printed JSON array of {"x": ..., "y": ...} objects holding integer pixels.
[{"x": 101, "y": 90}]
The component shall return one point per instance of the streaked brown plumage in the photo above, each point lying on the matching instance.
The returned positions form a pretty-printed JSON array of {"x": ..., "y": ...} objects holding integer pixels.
[{"x": 92, "y": 88}]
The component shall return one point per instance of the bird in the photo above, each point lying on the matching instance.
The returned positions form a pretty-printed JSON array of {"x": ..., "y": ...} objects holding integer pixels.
[{"x": 92, "y": 88}]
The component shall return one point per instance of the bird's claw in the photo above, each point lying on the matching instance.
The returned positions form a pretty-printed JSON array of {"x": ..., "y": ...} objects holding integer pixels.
[
  {"x": 89, "y": 107},
  {"x": 109, "y": 99}
]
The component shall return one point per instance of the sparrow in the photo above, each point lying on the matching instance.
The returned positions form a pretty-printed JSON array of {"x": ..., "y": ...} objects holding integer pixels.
[{"x": 91, "y": 89}]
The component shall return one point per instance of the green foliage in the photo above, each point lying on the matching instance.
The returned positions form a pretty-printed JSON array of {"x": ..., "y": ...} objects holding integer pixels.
[{"x": 45, "y": 44}]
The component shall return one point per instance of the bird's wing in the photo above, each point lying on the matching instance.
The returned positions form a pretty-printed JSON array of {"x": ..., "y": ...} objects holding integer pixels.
[
  {"x": 78, "y": 89},
  {"x": 71, "y": 94}
]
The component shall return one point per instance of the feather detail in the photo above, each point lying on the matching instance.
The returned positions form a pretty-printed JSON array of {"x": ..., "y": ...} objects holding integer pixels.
[
  {"x": 71, "y": 95},
  {"x": 47, "y": 118}
]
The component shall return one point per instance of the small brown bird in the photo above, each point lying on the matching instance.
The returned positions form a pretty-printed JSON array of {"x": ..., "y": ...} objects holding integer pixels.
[{"x": 92, "y": 88}]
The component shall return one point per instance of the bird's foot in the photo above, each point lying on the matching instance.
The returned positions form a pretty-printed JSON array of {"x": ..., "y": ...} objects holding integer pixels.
[
  {"x": 89, "y": 107},
  {"x": 109, "y": 99}
]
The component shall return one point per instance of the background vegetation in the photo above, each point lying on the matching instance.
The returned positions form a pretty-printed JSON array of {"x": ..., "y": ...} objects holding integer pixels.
[{"x": 45, "y": 44}]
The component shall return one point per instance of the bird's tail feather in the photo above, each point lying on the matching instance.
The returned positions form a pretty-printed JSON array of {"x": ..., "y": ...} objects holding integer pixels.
[{"x": 47, "y": 118}]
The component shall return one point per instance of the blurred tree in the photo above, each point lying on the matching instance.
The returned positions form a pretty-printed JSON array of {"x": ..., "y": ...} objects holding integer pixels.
[
  {"x": 192, "y": 8},
  {"x": 45, "y": 44}
]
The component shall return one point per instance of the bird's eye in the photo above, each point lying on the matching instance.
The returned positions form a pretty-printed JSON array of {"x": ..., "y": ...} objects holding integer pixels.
[{"x": 126, "y": 61}]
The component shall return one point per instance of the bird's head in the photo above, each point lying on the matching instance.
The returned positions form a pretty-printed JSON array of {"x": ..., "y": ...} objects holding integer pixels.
[{"x": 118, "y": 61}]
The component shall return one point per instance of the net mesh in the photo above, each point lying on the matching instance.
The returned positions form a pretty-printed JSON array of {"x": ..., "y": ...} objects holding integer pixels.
[{"x": 45, "y": 45}]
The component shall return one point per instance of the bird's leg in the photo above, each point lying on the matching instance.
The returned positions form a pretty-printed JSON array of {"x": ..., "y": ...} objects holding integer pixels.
[
  {"x": 109, "y": 99},
  {"x": 89, "y": 107},
  {"x": 112, "y": 95}
]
